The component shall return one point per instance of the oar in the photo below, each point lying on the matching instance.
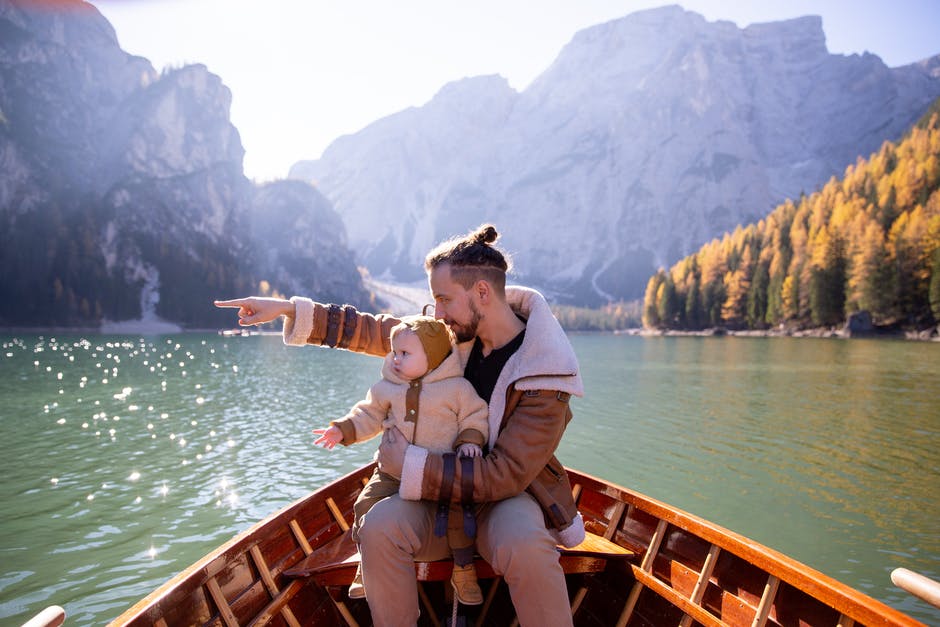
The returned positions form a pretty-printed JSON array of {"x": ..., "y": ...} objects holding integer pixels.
[
  {"x": 52, "y": 616},
  {"x": 918, "y": 585}
]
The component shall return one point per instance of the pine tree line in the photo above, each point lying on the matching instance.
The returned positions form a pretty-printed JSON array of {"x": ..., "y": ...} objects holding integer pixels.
[
  {"x": 611, "y": 317},
  {"x": 869, "y": 242},
  {"x": 55, "y": 274}
]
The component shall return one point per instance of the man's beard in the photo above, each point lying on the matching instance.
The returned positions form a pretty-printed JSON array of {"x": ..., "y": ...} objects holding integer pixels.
[{"x": 467, "y": 332}]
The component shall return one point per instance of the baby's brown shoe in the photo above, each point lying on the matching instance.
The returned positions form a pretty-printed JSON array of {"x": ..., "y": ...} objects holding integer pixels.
[{"x": 466, "y": 588}]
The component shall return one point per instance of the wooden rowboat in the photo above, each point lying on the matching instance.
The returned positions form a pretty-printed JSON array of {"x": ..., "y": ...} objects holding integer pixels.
[{"x": 644, "y": 563}]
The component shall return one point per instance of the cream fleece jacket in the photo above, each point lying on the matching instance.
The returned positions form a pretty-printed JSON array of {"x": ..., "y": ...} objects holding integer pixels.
[{"x": 449, "y": 410}]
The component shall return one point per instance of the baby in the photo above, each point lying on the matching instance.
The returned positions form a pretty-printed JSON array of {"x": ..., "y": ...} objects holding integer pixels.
[{"x": 422, "y": 381}]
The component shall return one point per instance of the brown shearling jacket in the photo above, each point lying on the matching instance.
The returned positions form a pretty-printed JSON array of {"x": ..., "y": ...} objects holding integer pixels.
[{"x": 528, "y": 411}]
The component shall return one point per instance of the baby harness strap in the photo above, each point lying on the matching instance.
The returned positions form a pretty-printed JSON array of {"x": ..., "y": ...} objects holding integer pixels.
[
  {"x": 466, "y": 496},
  {"x": 447, "y": 488}
]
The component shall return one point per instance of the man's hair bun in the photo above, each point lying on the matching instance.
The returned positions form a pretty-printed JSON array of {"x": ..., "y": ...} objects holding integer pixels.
[{"x": 486, "y": 234}]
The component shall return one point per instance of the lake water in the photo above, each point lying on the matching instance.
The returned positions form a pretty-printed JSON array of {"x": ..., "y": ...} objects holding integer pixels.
[{"x": 124, "y": 459}]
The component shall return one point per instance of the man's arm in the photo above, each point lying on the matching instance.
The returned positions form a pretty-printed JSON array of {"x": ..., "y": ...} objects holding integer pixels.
[
  {"x": 522, "y": 450},
  {"x": 338, "y": 326},
  {"x": 309, "y": 322},
  {"x": 258, "y": 309}
]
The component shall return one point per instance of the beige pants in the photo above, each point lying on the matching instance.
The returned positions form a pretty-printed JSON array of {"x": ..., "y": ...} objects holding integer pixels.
[
  {"x": 511, "y": 536},
  {"x": 382, "y": 485}
]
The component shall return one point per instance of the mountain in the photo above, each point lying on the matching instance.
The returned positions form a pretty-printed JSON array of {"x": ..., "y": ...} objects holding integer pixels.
[
  {"x": 646, "y": 137},
  {"x": 868, "y": 242},
  {"x": 122, "y": 194}
]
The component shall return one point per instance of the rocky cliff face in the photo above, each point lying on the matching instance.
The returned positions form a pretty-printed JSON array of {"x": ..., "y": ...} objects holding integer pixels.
[
  {"x": 122, "y": 193},
  {"x": 647, "y": 137}
]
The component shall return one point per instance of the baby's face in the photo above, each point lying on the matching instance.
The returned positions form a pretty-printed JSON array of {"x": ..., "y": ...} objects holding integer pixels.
[{"x": 409, "y": 360}]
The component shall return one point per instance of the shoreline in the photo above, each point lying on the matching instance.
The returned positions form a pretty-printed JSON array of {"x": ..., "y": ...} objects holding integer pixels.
[
  {"x": 99, "y": 331},
  {"x": 925, "y": 335}
]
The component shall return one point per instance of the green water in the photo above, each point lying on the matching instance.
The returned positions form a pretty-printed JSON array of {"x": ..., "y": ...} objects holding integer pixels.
[{"x": 124, "y": 459}]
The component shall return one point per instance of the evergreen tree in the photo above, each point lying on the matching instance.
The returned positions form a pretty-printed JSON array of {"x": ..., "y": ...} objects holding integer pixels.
[
  {"x": 934, "y": 294},
  {"x": 667, "y": 303},
  {"x": 827, "y": 280},
  {"x": 870, "y": 279},
  {"x": 694, "y": 314},
  {"x": 907, "y": 246},
  {"x": 757, "y": 298},
  {"x": 775, "y": 309},
  {"x": 713, "y": 297}
]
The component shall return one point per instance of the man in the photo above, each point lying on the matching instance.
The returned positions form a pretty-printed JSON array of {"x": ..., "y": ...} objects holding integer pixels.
[{"x": 520, "y": 362}]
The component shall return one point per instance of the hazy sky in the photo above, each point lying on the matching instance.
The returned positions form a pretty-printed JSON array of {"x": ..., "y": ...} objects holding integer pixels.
[{"x": 304, "y": 72}]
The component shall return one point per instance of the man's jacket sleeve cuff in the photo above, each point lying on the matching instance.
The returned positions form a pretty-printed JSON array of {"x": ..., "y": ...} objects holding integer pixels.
[
  {"x": 412, "y": 473},
  {"x": 298, "y": 328}
]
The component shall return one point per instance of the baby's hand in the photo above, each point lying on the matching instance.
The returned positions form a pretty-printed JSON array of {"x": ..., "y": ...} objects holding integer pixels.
[
  {"x": 469, "y": 450},
  {"x": 328, "y": 437}
]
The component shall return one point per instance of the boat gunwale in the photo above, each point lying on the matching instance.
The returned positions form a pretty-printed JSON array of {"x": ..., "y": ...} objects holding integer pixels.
[
  {"x": 851, "y": 602},
  {"x": 239, "y": 544},
  {"x": 840, "y": 596}
]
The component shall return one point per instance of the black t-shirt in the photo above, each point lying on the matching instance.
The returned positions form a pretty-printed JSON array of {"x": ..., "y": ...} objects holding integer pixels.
[{"x": 482, "y": 372}]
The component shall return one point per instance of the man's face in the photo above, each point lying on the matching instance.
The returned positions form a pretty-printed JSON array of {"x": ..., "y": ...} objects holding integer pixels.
[{"x": 453, "y": 304}]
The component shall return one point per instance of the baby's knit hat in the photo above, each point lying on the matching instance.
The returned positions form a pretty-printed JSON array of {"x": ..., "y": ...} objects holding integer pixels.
[{"x": 434, "y": 336}]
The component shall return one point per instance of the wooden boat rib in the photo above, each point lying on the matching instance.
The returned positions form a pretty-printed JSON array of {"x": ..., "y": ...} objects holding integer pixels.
[{"x": 646, "y": 564}]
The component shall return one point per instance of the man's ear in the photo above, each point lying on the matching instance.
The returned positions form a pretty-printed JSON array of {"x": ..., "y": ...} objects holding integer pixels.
[{"x": 483, "y": 291}]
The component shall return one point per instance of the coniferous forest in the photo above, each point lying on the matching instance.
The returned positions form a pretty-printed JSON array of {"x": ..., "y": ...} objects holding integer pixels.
[{"x": 868, "y": 242}]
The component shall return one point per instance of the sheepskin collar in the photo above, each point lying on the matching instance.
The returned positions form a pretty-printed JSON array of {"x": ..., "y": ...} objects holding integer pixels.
[
  {"x": 546, "y": 352},
  {"x": 545, "y": 361}
]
